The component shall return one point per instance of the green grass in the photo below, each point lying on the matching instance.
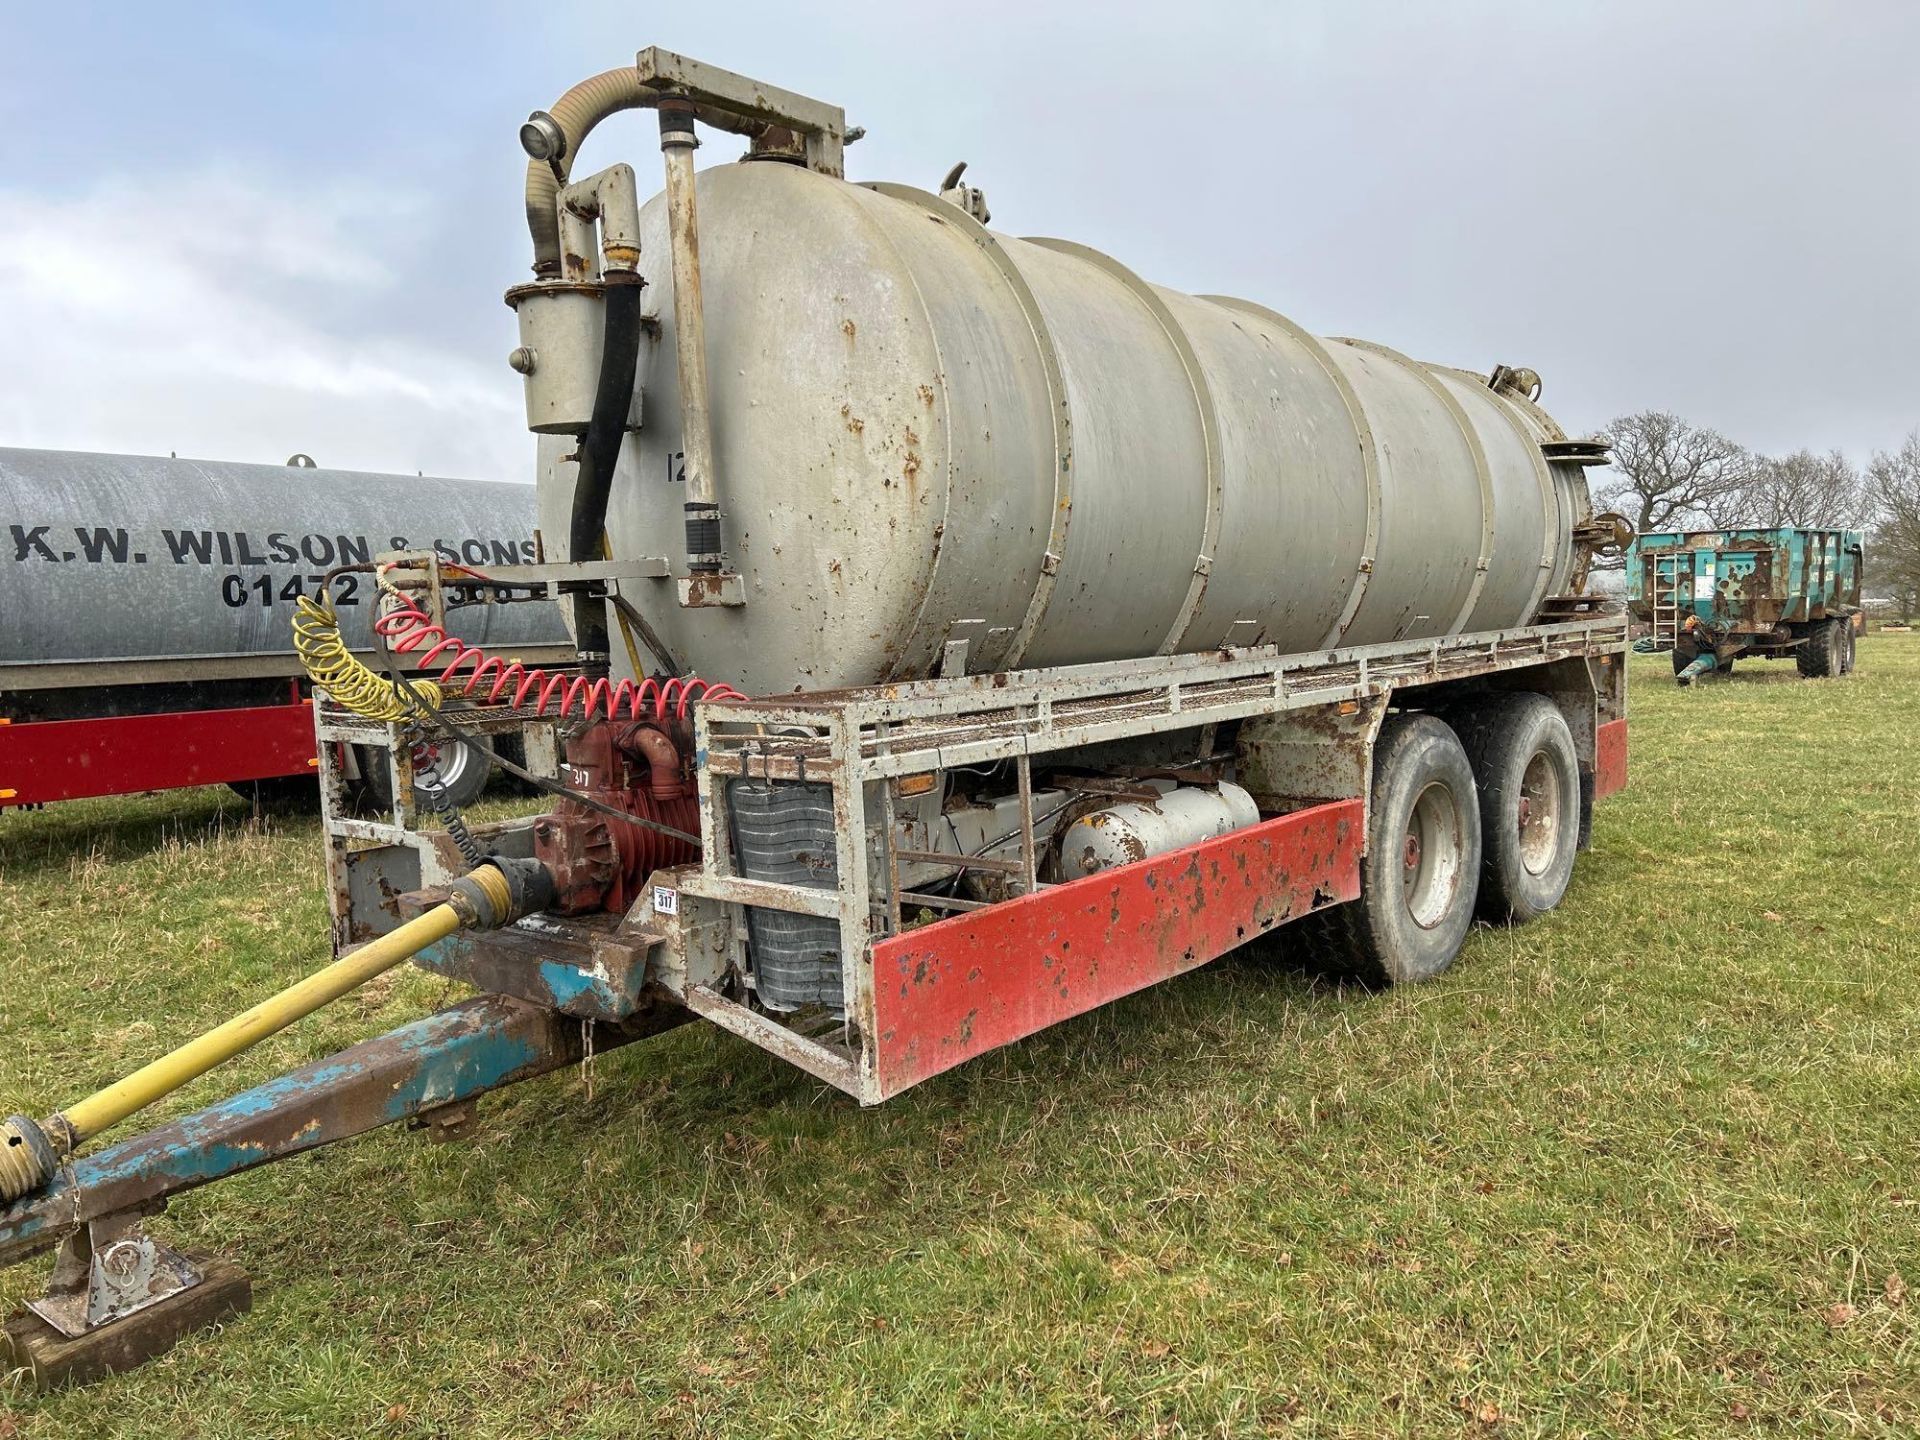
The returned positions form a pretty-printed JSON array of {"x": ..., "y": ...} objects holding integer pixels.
[{"x": 1650, "y": 1167}]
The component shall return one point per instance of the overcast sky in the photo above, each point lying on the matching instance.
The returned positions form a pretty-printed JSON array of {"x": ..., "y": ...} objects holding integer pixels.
[{"x": 237, "y": 231}]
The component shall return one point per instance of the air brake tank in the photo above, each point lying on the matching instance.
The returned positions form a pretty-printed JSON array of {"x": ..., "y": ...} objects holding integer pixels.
[{"x": 926, "y": 431}]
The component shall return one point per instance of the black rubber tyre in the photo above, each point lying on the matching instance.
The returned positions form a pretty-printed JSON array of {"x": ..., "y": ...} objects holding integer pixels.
[
  {"x": 513, "y": 749},
  {"x": 1848, "y": 641},
  {"x": 1529, "y": 778},
  {"x": 1422, "y": 869},
  {"x": 1818, "y": 656},
  {"x": 464, "y": 773},
  {"x": 285, "y": 792}
]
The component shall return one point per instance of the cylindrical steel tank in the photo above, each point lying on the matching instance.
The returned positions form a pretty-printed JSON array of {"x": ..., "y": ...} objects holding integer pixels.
[
  {"x": 926, "y": 431},
  {"x": 132, "y": 558}
]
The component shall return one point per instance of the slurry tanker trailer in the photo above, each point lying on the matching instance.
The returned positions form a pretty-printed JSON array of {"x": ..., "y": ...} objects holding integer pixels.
[
  {"x": 146, "y": 605},
  {"x": 967, "y": 632}
]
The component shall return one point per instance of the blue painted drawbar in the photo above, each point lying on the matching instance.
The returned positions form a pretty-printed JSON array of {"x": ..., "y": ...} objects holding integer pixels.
[{"x": 464, "y": 1051}]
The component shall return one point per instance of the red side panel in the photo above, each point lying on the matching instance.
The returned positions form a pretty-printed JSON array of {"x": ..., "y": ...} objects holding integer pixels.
[
  {"x": 123, "y": 755},
  {"x": 952, "y": 990},
  {"x": 1610, "y": 759}
]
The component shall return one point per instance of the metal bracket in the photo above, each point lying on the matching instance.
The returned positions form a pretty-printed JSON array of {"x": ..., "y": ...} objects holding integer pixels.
[
  {"x": 108, "y": 1269},
  {"x": 701, "y": 592},
  {"x": 960, "y": 636},
  {"x": 1576, "y": 452},
  {"x": 445, "y": 1124},
  {"x": 545, "y": 579},
  {"x": 744, "y": 106}
]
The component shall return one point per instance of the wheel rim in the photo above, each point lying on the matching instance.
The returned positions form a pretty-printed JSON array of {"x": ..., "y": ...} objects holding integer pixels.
[
  {"x": 1539, "y": 817},
  {"x": 1431, "y": 868},
  {"x": 450, "y": 763}
]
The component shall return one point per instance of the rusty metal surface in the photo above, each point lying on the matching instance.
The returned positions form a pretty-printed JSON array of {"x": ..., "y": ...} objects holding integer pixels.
[
  {"x": 1745, "y": 582},
  {"x": 109, "y": 1269},
  {"x": 955, "y": 989},
  {"x": 975, "y": 719},
  {"x": 1610, "y": 759},
  {"x": 471, "y": 1048},
  {"x": 746, "y": 106},
  {"x": 585, "y": 966},
  {"x": 835, "y": 1064},
  {"x": 1320, "y": 752},
  {"x": 370, "y": 863}
]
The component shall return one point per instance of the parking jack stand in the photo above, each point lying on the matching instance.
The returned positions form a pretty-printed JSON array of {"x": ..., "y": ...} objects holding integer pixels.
[{"x": 116, "y": 1299}]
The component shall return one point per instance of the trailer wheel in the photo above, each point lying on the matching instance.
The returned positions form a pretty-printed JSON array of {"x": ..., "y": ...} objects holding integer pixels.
[
  {"x": 1422, "y": 868},
  {"x": 282, "y": 792},
  {"x": 1848, "y": 641},
  {"x": 1819, "y": 654},
  {"x": 464, "y": 773},
  {"x": 1529, "y": 777}
]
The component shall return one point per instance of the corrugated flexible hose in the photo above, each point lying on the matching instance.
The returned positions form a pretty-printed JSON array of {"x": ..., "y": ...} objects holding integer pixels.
[{"x": 577, "y": 111}]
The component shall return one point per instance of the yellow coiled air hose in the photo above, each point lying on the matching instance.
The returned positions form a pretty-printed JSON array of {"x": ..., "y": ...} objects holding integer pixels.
[{"x": 331, "y": 665}]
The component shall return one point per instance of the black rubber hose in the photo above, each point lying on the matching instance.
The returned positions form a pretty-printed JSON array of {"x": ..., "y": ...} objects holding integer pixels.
[{"x": 599, "y": 455}]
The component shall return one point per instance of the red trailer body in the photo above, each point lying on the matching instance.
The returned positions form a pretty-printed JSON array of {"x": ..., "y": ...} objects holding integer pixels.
[{"x": 52, "y": 760}]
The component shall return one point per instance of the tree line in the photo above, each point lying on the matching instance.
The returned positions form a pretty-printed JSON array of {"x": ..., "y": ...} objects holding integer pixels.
[{"x": 1669, "y": 474}]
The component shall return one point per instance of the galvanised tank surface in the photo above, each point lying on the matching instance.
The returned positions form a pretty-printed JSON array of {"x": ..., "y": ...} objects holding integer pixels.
[
  {"x": 130, "y": 557},
  {"x": 928, "y": 431}
]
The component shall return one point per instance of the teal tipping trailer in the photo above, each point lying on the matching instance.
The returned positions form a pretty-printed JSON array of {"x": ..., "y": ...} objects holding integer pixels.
[{"x": 1712, "y": 596}]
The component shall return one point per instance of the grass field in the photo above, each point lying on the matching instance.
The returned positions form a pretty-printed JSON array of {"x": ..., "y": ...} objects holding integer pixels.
[{"x": 1650, "y": 1167}]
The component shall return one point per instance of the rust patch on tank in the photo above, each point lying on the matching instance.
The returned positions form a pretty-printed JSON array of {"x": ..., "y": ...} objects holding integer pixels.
[{"x": 910, "y": 467}]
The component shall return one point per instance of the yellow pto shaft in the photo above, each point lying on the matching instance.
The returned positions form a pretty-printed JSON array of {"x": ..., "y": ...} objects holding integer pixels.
[
  {"x": 29, "y": 1153},
  {"x": 106, "y": 1108}
]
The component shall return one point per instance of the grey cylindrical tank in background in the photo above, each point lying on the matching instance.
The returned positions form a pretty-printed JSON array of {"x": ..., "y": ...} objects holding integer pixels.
[
  {"x": 134, "y": 558},
  {"x": 925, "y": 431}
]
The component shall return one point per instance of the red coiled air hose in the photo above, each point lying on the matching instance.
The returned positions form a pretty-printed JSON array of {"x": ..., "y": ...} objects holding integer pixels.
[{"x": 410, "y": 628}]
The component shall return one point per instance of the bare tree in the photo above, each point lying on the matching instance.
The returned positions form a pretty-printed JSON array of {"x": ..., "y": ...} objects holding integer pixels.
[
  {"x": 1798, "y": 489},
  {"x": 1893, "y": 490},
  {"x": 1671, "y": 474}
]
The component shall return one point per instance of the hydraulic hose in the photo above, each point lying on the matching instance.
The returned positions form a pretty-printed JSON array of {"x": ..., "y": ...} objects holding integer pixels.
[
  {"x": 487, "y": 897},
  {"x": 599, "y": 455}
]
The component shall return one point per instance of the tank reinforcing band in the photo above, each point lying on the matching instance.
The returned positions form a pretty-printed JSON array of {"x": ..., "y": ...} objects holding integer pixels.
[
  {"x": 1209, "y": 417},
  {"x": 1369, "y": 451},
  {"x": 1549, "y": 488},
  {"x": 1062, "y": 513},
  {"x": 1482, "y": 475}
]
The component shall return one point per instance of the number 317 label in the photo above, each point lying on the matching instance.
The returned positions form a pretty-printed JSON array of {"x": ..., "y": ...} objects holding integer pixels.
[{"x": 665, "y": 901}]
